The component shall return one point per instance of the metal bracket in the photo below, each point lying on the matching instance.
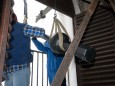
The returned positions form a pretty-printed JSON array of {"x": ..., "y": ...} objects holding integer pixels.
[{"x": 43, "y": 13}]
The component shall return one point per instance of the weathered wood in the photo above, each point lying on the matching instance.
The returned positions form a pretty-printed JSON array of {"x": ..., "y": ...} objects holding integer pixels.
[
  {"x": 74, "y": 45},
  {"x": 64, "y": 6},
  {"x": 100, "y": 35},
  {"x": 3, "y": 32},
  {"x": 112, "y": 2}
]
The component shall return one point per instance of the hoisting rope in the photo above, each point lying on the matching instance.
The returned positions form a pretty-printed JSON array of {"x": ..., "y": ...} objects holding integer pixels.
[
  {"x": 25, "y": 12},
  {"x": 57, "y": 25}
]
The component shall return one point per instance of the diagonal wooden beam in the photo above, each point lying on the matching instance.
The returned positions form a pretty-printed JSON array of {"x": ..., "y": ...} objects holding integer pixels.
[
  {"x": 74, "y": 45},
  {"x": 112, "y": 2},
  {"x": 4, "y": 32}
]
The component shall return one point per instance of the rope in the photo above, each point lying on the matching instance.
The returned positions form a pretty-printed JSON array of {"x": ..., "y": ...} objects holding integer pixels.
[
  {"x": 57, "y": 25},
  {"x": 25, "y": 12}
]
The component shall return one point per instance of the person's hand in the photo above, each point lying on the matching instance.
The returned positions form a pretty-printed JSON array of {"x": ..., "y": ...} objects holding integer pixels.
[{"x": 34, "y": 38}]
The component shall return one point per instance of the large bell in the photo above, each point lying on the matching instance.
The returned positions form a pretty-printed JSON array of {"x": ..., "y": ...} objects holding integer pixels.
[
  {"x": 84, "y": 52},
  {"x": 54, "y": 43}
]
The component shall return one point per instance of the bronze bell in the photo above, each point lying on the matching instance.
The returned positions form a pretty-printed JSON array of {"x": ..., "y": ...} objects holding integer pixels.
[
  {"x": 54, "y": 43},
  {"x": 84, "y": 52}
]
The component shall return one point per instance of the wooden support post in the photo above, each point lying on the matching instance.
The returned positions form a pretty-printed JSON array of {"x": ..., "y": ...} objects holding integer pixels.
[
  {"x": 112, "y": 2},
  {"x": 3, "y": 33},
  {"x": 74, "y": 45}
]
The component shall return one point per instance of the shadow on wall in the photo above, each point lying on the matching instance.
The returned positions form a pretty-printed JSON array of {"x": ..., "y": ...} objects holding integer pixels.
[{"x": 1, "y": 9}]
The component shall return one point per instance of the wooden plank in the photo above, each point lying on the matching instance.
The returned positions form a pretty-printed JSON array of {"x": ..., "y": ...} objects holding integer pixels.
[
  {"x": 64, "y": 6},
  {"x": 3, "y": 32},
  {"x": 73, "y": 46},
  {"x": 112, "y": 2}
]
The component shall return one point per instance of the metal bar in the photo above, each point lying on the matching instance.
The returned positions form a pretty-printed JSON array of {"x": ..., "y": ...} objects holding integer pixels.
[
  {"x": 44, "y": 12},
  {"x": 37, "y": 67},
  {"x": 42, "y": 70},
  {"x": 25, "y": 12},
  {"x": 74, "y": 45},
  {"x": 36, "y": 51},
  {"x": 68, "y": 78},
  {"x": 32, "y": 72},
  {"x": 25, "y": 9},
  {"x": 38, "y": 54},
  {"x": 47, "y": 78}
]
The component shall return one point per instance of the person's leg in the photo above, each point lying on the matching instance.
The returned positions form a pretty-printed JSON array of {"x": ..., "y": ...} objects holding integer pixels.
[
  {"x": 21, "y": 77},
  {"x": 8, "y": 80}
]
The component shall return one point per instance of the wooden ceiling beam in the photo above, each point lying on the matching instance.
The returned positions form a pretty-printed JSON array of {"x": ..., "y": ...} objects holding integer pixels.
[{"x": 64, "y": 6}]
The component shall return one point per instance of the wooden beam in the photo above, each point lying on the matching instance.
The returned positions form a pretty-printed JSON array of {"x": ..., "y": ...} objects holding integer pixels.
[
  {"x": 43, "y": 13},
  {"x": 64, "y": 6},
  {"x": 3, "y": 33},
  {"x": 112, "y": 2},
  {"x": 74, "y": 45}
]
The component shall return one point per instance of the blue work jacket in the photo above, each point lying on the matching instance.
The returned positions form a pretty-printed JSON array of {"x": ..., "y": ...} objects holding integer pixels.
[{"x": 53, "y": 61}]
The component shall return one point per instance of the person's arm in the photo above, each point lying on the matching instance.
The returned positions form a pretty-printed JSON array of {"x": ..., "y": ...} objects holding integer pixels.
[
  {"x": 45, "y": 37},
  {"x": 39, "y": 45}
]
